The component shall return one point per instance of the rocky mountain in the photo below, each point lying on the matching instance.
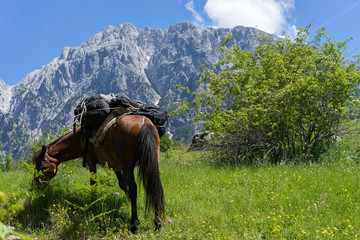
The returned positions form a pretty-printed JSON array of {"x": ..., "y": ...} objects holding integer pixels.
[
  {"x": 5, "y": 96},
  {"x": 143, "y": 64}
]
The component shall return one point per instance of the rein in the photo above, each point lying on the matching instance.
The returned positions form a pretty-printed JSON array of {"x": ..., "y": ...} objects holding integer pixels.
[
  {"x": 85, "y": 150},
  {"x": 40, "y": 165}
]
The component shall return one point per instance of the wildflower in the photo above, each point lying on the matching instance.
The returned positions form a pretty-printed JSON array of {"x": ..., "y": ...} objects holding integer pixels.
[
  {"x": 169, "y": 221},
  {"x": 117, "y": 193}
]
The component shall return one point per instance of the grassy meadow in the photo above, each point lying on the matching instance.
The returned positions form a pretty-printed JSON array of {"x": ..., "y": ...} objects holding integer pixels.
[{"x": 204, "y": 200}]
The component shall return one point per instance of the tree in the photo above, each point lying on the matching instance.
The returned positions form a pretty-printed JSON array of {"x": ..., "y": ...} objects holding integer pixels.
[
  {"x": 2, "y": 164},
  {"x": 283, "y": 100},
  {"x": 8, "y": 162}
]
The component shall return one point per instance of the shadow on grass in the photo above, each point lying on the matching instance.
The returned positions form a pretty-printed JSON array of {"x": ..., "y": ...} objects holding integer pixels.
[{"x": 73, "y": 214}]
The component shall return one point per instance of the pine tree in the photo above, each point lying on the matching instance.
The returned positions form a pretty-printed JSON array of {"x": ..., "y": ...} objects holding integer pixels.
[{"x": 8, "y": 162}]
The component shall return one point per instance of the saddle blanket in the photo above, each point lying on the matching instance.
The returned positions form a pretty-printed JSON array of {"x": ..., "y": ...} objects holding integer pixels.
[{"x": 114, "y": 116}]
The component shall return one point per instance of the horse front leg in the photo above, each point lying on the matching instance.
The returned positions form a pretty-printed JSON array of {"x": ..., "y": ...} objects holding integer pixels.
[
  {"x": 92, "y": 168},
  {"x": 122, "y": 183}
]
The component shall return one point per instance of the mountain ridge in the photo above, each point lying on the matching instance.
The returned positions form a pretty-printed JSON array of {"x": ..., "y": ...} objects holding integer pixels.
[{"x": 143, "y": 64}]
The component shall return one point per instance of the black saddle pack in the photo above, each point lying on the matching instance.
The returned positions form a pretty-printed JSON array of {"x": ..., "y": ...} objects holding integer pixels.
[
  {"x": 121, "y": 101},
  {"x": 92, "y": 112},
  {"x": 157, "y": 115}
]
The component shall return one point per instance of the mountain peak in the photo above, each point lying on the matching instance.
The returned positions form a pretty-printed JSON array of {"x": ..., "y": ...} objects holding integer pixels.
[
  {"x": 5, "y": 96},
  {"x": 128, "y": 26},
  {"x": 182, "y": 27},
  {"x": 2, "y": 82}
]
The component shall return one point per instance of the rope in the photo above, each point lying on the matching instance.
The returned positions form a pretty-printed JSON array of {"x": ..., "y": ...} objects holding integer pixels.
[{"x": 84, "y": 110}]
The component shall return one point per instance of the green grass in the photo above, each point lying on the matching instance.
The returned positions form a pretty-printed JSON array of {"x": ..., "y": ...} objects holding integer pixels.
[{"x": 203, "y": 200}]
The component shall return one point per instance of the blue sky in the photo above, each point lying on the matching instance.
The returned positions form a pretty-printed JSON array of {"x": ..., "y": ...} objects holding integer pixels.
[{"x": 32, "y": 33}]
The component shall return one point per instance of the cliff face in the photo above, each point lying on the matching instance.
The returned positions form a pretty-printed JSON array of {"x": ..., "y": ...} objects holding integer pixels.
[{"x": 143, "y": 64}]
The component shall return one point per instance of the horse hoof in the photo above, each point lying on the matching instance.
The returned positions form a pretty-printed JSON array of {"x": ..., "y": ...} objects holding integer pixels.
[
  {"x": 158, "y": 223},
  {"x": 134, "y": 226},
  {"x": 133, "y": 229}
]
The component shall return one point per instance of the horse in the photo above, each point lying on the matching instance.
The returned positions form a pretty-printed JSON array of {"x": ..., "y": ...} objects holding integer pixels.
[{"x": 131, "y": 141}]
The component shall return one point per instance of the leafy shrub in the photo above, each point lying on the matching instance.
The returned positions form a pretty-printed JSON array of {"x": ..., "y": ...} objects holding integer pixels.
[
  {"x": 166, "y": 143},
  {"x": 2, "y": 164},
  {"x": 6, "y": 164},
  {"x": 4, "y": 230},
  {"x": 282, "y": 101}
]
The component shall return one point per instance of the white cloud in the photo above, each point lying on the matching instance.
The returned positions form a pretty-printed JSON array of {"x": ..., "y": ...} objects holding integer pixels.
[
  {"x": 268, "y": 15},
  {"x": 190, "y": 6}
]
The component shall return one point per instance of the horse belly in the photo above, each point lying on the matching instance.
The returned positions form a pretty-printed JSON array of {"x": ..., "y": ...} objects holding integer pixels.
[{"x": 118, "y": 152}]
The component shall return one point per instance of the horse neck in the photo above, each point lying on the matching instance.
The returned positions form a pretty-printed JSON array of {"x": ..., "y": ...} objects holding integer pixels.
[{"x": 66, "y": 147}]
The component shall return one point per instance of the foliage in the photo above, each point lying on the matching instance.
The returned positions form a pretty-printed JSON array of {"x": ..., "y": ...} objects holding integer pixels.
[
  {"x": 4, "y": 230},
  {"x": 52, "y": 135},
  {"x": 166, "y": 143},
  {"x": 8, "y": 162},
  {"x": 284, "y": 100},
  {"x": 36, "y": 144}
]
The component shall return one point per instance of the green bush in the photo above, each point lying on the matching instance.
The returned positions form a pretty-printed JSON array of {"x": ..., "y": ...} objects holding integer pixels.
[
  {"x": 4, "y": 211},
  {"x": 2, "y": 164},
  {"x": 166, "y": 143},
  {"x": 282, "y": 101},
  {"x": 8, "y": 162}
]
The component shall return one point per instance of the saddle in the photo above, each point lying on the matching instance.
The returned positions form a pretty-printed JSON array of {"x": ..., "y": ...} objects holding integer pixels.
[
  {"x": 95, "y": 113},
  {"x": 113, "y": 117}
]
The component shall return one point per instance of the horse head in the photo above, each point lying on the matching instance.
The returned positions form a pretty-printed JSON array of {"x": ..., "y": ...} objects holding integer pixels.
[{"x": 45, "y": 165}]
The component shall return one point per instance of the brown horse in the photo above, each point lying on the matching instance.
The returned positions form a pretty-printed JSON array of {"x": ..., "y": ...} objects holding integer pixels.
[{"x": 132, "y": 141}]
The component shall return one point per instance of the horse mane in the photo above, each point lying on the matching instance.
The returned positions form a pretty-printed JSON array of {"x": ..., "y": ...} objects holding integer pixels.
[
  {"x": 36, "y": 155},
  {"x": 48, "y": 146},
  {"x": 66, "y": 137}
]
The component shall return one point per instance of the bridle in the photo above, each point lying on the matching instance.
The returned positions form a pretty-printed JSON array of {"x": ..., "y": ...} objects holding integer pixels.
[{"x": 40, "y": 165}]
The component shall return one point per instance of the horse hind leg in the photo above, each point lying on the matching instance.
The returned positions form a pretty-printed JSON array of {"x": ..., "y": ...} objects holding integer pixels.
[
  {"x": 130, "y": 181},
  {"x": 157, "y": 221}
]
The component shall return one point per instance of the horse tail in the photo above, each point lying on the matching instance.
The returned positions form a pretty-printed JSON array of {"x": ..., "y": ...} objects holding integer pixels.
[{"x": 148, "y": 158}]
